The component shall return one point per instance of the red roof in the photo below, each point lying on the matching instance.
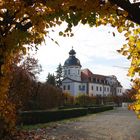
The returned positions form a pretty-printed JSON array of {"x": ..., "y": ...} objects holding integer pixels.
[{"x": 86, "y": 74}]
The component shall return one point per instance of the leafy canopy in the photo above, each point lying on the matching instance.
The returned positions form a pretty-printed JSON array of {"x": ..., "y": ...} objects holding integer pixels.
[{"x": 25, "y": 22}]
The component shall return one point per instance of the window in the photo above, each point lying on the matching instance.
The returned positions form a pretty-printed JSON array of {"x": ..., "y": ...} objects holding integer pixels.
[
  {"x": 68, "y": 87},
  {"x": 65, "y": 72},
  {"x": 91, "y": 87},
  {"x": 120, "y": 90},
  {"x": 108, "y": 89},
  {"x": 94, "y": 79},
  {"x": 79, "y": 87},
  {"x": 100, "y": 88},
  {"x": 104, "y": 88},
  {"x": 96, "y": 88},
  {"x": 83, "y": 87},
  {"x": 89, "y": 79},
  {"x": 78, "y": 72},
  {"x": 64, "y": 87},
  {"x": 68, "y": 71},
  {"x": 98, "y": 80}
]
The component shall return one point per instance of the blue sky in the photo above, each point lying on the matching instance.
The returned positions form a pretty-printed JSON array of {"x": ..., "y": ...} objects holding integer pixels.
[{"x": 95, "y": 48}]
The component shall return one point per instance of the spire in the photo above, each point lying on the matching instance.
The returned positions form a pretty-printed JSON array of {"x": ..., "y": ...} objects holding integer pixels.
[{"x": 72, "y": 52}]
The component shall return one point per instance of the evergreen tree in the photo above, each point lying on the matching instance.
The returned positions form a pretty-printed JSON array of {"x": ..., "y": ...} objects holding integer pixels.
[
  {"x": 59, "y": 76},
  {"x": 51, "y": 79}
]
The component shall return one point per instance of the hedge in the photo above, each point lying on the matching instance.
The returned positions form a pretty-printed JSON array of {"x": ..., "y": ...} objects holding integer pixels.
[
  {"x": 34, "y": 117},
  {"x": 99, "y": 109}
]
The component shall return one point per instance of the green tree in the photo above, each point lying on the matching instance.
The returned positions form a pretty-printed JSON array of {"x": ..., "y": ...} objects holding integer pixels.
[
  {"x": 51, "y": 79},
  {"x": 59, "y": 76}
]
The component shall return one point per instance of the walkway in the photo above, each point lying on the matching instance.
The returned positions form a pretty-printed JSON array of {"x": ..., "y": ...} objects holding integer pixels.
[{"x": 117, "y": 124}]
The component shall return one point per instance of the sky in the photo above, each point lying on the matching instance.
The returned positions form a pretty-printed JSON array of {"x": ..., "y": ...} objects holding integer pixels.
[{"x": 95, "y": 48}]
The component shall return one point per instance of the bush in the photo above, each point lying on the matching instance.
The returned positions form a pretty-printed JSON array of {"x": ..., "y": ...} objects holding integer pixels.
[
  {"x": 83, "y": 100},
  {"x": 99, "y": 109},
  {"x": 34, "y": 117}
]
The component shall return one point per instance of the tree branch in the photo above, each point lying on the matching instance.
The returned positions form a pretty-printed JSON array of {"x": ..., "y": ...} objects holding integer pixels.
[{"x": 132, "y": 9}]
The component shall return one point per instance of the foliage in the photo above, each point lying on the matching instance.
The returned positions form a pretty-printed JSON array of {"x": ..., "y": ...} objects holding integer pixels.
[
  {"x": 129, "y": 95},
  {"x": 58, "y": 76},
  {"x": 85, "y": 100},
  {"x": 27, "y": 22},
  {"x": 51, "y": 79},
  {"x": 136, "y": 105},
  {"x": 48, "y": 96},
  {"x": 23, "y": 82}
]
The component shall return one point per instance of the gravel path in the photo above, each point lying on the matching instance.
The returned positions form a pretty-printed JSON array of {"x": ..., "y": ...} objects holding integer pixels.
[{"x": 117, "y": 124}]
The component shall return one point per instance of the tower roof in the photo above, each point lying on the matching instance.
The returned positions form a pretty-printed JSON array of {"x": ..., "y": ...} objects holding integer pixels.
[
  {"x": 72, "y": 60},
  {"x": 72, "y": 52}
]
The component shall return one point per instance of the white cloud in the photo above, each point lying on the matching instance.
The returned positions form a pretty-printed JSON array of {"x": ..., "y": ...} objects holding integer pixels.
[{"x": 95, "y": 48}]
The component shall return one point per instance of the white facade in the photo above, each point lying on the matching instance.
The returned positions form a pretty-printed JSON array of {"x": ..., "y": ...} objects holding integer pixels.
[
  {"x": 98, "y": 89},
  {"x": 74, "y": 87},
  {"x": 72, "y": 72},
  {"x": 91, "y": 84}
]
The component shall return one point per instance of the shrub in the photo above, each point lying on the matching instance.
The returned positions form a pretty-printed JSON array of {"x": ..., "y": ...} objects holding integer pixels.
[
  {"x": 34, "y": 117},
  {"x": 99, "y": 109},
  {"x": 83, "y": 100}
]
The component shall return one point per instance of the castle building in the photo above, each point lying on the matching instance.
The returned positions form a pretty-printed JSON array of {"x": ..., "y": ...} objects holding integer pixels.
[{"x": 83, "y": 81}]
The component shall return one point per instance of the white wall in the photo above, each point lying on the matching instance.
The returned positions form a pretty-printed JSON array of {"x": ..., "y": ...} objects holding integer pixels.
[
  {"x": 103, "y": 90},
  {"x": 74, "y": 87},
  {"x": 75, "y": 72}
]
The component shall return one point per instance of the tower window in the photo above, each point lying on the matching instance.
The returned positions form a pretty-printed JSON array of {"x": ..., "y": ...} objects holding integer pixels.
[
  {"x": 78, "y": 72},
  {"x": 65, "y": 72},
  {"x": 68, "y": 71}
]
